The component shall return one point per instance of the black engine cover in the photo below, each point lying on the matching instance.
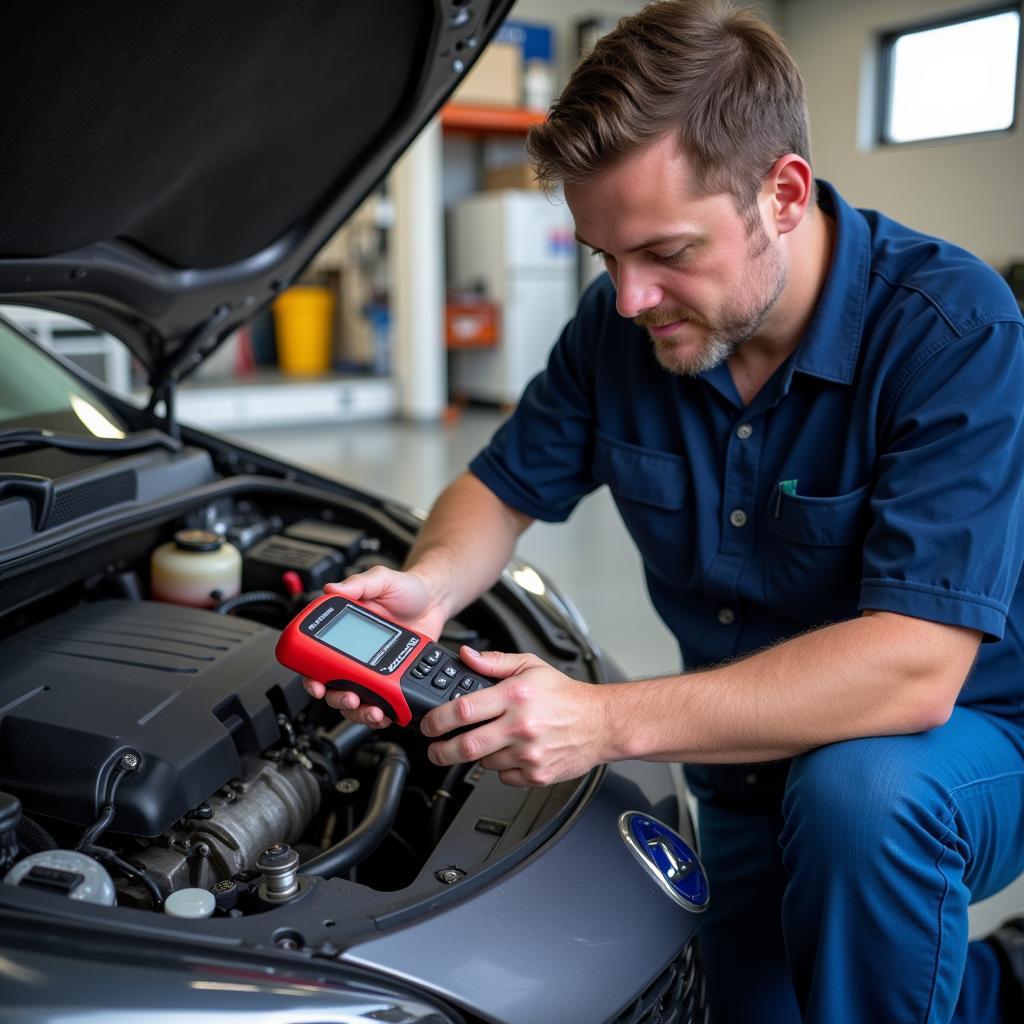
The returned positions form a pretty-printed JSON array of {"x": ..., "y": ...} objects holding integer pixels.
[{"x": 188, "y": 689}]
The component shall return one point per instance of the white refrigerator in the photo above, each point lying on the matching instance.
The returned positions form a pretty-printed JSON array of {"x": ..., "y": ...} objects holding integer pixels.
[{"x": 519, "y": 245}]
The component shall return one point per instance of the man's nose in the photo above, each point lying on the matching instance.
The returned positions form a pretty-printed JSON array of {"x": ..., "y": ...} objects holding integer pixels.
[{"x": 635, "y": 292}]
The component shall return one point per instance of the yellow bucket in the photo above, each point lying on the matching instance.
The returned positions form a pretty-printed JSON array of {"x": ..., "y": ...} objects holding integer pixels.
[{"x": 303, "y": 322}]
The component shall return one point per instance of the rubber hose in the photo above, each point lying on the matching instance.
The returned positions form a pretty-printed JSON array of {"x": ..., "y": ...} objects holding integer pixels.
[
  {"x": 108, "y": 856},
  {"x": 380, "y": 816},
  {"x": 346, "y": 736},
  {"x": 107, "y": 813},
  {"x": 33, "y": 838},
  {"x": 442, "y": 798}
]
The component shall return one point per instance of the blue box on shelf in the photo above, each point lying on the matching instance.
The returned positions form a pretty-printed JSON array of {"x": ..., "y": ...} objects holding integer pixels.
[{"x": 536, "y": 41}]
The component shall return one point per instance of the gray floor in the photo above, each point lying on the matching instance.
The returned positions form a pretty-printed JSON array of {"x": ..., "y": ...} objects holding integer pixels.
[{"x": 591, "y": 556}]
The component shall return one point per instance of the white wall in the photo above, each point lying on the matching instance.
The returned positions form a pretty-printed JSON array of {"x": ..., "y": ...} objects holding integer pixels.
[{"x": 969, "y": 192}]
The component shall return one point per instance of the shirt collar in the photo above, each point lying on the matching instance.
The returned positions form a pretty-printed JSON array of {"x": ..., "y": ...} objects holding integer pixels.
[
  {"x": 831, "y": 343},
  {"x": 832, "y": 340}
]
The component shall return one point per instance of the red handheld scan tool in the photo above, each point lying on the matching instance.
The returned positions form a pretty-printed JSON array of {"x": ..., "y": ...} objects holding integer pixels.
[{"x": 343, "y": 645}]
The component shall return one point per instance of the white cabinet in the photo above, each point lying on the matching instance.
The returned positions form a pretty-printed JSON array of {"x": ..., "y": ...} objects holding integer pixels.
[{"x": 519, "y": 246}]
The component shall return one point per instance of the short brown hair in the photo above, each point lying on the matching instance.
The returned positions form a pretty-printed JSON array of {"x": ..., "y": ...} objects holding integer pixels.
[{"x": 719, "y": 76}]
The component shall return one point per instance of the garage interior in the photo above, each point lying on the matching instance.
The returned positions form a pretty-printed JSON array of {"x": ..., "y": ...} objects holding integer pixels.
[
  {"x": 831, "y": 41},
  {"x": 421, "y": 364}
]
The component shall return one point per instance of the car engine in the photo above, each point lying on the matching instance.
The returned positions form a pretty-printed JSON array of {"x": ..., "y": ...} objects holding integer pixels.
[
  {"x": 165, "y": 744},
  {"x": 171, "y": 795},
  {"x": 190, "y": 701}
]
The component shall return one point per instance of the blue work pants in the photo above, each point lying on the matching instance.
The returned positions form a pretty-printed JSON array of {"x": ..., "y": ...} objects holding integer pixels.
[{"x": 846, "y": 900}]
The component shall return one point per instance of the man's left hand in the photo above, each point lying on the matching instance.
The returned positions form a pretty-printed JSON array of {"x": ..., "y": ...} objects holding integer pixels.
[{"x": 540, "y": 726}]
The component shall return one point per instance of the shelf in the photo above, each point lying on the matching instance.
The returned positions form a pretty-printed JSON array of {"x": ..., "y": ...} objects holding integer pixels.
[{"x": 455, "y": 117}]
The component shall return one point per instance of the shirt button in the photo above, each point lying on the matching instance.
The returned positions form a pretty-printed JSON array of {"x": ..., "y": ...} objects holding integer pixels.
[
  {"x": 726, "y": 616},
  {"x": 743, "y": 431},
  {"x": 738, "y": 517}
]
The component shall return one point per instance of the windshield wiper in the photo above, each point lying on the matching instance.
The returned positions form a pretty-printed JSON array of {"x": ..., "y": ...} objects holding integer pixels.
[{"x": 139, "y": 441}]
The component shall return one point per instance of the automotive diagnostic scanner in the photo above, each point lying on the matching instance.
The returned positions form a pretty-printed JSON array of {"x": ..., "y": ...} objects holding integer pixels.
[{"x": 343, "y": 645}]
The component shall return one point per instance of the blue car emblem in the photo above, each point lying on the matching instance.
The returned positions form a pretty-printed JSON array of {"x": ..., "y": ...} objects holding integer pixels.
[{"x": 667, "y": 858}]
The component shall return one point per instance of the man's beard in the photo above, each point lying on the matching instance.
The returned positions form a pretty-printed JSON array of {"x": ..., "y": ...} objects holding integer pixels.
[{"x": 737, "y": 323}]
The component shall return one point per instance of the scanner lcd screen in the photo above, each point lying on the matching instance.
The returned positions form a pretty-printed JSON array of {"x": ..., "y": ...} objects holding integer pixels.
[{"x": 356, "y": 635}]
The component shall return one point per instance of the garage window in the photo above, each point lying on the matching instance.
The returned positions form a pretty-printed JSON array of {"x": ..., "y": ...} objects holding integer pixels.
[{"x": 956, "y": 77}]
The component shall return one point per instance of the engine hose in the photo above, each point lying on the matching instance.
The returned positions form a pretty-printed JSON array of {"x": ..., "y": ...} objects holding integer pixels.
[
  {"x": 345, "y": 737},
  {"x": 108, "y": 856},
  {"x": 442, "y": 798},
  {"x": 33, "y": 838},
  {"x": 109, "y": 809},
  {"x": 253, "y": 597},
  {"x": 380, "y": 816},
  {"x": 93, "y": 833}
]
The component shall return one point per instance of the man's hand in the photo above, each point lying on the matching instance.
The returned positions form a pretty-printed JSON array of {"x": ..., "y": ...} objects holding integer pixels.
[
  {"x": 541, "y": 726},
  {"x": 460, "y": 551},
  {"x": 400, "y": 596}
]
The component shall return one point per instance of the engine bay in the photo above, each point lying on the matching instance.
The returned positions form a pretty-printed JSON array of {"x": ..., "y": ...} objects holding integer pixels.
[{"x": 155, "y": 756}]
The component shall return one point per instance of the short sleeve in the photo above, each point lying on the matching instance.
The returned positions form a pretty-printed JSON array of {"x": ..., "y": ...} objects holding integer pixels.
[
  {"x": 539, "y": 461},
  {"x": 946, "y": 539}
]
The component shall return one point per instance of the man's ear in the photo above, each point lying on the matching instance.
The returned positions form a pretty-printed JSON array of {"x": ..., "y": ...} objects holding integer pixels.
[{"x": 789, "y": 187}]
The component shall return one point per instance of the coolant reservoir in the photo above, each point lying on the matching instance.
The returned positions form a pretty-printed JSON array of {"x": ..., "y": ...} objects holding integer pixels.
[{"x": 192, "y": 567}]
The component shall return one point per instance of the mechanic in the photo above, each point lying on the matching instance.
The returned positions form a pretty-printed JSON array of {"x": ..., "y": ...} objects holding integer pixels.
[{"x": 811, "y": 419}]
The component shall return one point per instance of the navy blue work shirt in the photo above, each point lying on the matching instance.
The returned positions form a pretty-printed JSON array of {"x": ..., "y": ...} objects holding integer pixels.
[{"x": 880, "y": 467}]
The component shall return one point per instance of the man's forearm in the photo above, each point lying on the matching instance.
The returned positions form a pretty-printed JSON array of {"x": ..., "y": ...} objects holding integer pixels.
[
  {"x": 881, "y": 674},
  {"x": 466, "y": 542}
]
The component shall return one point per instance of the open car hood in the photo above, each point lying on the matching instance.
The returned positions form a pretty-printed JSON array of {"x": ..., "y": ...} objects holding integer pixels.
[{"x": 169, "y": 169}]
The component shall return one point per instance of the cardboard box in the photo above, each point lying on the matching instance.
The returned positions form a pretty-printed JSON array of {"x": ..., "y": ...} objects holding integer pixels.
[
  {"x": 514, "y": 176},
  {"x": 496, "y": 79}
]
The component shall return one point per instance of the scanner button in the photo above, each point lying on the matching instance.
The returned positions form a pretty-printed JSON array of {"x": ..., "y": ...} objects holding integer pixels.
[
  {"x": 440, "y": 682},
  {"x": 433, "y": 657},
  {"x": 450, "y": 671}
]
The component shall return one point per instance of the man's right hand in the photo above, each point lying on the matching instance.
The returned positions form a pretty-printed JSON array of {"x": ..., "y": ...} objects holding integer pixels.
[{"x": 402, "y": 597}]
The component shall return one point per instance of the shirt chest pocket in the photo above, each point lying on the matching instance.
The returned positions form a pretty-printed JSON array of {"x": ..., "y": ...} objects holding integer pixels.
[
  {"x": 814, "y": 554},
  {"x": 651, "y": 489}
]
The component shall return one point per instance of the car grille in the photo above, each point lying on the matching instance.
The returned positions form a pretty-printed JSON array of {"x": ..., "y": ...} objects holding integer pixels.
[{"x": 676, "y": 996}]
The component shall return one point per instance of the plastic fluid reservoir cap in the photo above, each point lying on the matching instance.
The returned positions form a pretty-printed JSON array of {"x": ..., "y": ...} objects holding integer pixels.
[
  {"x": 67, "y": 873},
  {"x": 192, "y": 903},
  {"x": 198, "y": 540}
]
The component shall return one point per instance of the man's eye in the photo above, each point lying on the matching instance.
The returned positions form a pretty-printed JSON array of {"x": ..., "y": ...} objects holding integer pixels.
[
  {"x": 673, "y": 257},
  {"x": 597, "y": 252}
]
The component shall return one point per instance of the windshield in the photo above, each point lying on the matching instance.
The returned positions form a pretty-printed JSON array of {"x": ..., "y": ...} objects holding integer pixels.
[{"x": 35, "y": 391}]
